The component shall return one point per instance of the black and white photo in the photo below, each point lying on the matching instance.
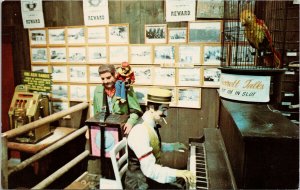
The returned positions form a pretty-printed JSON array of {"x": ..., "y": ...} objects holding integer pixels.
[
  {"x": 118, "y": 54},
  {"x": 189, "y": 97},
  {"x": 212, "y": 55},
  {"x": 97, "y": 54},
  {"x": 76, "y": 35},
  {"x": 77, "y": 54},
  {"x": 204, "y": 31},
  {"x": 177, "y": 35},
  {"x": 96, "y": 35},
  {"x": 164, "y": 54},
  {"x": 56, "y": 36},
  {"x": 39, "y": 55},
  {"x": 189, "y": 55},
  {"x": 94, "y": 75},
  {"x": 58, "y": 54},
  {"x": 155, "y": 33},
  {"x": 78, "y": 92},
  {"x": 78, "y": 74},
  {"x": 39, "y": 68},
  {"x": 211, "y": 77},
  {"x": 59, "y": 73},
  {"x": 210, "y": 9},
  {"x": 189, "y": 77},
  {"x": 164, "y": 76},
  {"x": 37, "y": 37},
  {"x": 143, "y": 75},
  {"x": 60, "y": 91},
  {"x": 118, "y": 34},
  {"x": 141, "y": 54},
  {"x": 59, "y": 106}
]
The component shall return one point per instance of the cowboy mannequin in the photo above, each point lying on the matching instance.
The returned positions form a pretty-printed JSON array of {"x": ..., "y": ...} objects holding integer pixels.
[{"x": 144, "y": 148}]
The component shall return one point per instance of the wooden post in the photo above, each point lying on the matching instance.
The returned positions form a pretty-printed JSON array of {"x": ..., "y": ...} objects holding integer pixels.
[{"x": 4, "y": 162}]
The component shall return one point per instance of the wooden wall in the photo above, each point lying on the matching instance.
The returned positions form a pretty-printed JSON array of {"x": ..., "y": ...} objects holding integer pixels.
[{"x": 184, "y": 122}]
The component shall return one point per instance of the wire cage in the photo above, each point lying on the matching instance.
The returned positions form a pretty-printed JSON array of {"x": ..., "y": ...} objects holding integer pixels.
[{"x": 254, "y": 35}]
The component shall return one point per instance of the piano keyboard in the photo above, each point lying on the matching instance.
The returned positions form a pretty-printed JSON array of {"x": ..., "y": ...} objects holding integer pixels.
[{"x": 197, "y": 164}]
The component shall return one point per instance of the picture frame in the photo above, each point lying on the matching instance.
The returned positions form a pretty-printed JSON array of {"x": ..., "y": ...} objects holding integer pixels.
[
  {"x": 39, "y": 55},
  {"x": 77, "y": 54},
  {"x": 164, "y": 54},
  {"x": 58, "y": 106},
  {"x": 76, "y": 35},
  {"x": 164, "y": 76},
  {"x": 174, "y": 95},
  {"x": 94, "y": 74},
  {"x": 78, "y": 74},
  {"x": 59, "y": 92},
  {"x": 97, "y": 54},
  {"x": 189, "y": 77},
  {"x": 58, "y": 54},
  {"x": 59, "y": 73},
  {"x": 37, "y": 37},
  {"x": 189, "y": 97},
  {"x": 177, "y": 35},
  {"x": 91, "y": 89},
  {"x": 96, "y": 34},
  {"x": 118, "y": 33},
  {"x": 40, "y": 68},
  {"x": 204, "y": 31},
  {"x": 212, "y": 55},
  {"x": 210, "y": 9},
  {"x": 155, "y": 33},
  {"x": 56, "y": 36},
  {"x": 189, "y": 55},
  {"x": 141, "y": 54},
  {"x": 78, "y": 93},
  {"x": 211, "y": 77},
  {"x": 141, "y": 94},
  {"x": 118, "y": 54},
  {"x": 143, "y": 75}
]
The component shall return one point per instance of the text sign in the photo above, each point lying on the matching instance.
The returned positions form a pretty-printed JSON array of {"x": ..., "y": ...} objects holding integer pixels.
[
  {"x": 245, "y": 87},
  {"x": 178, "y": 10},
  {"x": 36, "y": 81}
]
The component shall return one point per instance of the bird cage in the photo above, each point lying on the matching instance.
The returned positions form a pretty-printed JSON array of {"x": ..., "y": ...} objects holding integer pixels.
[{"x": 253, "y": 34}]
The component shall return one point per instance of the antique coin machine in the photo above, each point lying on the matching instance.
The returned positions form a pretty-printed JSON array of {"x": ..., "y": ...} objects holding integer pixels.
[{"x": 27, "y": 107}]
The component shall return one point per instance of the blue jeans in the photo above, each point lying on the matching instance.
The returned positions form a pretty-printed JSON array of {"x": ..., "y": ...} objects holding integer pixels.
[{"x": 120, "y": 90}]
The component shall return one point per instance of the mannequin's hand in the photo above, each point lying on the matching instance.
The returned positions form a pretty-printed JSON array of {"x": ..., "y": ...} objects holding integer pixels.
[
  {"x": 126, "y": 128},
  {"x": 188, "y": 176}
]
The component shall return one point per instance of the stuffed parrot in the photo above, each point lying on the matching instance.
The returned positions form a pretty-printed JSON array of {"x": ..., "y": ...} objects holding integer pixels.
[{"x": 259, "y": 37}]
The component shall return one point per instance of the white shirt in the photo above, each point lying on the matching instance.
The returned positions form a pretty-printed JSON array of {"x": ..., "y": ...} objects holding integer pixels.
[{"x": 139, "y": 142}]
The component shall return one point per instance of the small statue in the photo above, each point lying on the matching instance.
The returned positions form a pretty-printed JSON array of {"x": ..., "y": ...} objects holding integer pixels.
[{"x": 125, "y": 77}]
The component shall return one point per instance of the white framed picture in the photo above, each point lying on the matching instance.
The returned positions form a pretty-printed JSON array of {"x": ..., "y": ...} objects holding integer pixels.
[
  {"x": 189, "y": 77},
  {"x": 94, "y": 76},
  {"x": 212, "y": 55},
  {"x": 204, "y": 31},
  {"x": 177, "y": 35},
  {"x": 188, "y": 55},
  {"x": 174, "y": 95},
  {"x": 60, "y": 91},
  {"x": 164, "y": 76},
  {"x": 118, "y": 34},
  {"x": 78, "y": 92},
  {"x": 56, "y": 36},
  {"x": 155, "y": 33},
  {"x": 77, "y": 54},
  {"x": 78, "y": 74},
  {"x": 58, "y": 54},
  {"x": 141, "y": 54},
  {"x": 118, "y": 54},
  {"x": 164, "y": 54},
  {"x": 59, "y": 73},
  {"x": 37, "y": 37},
  {"x": 211, "y": 77},
  {"x": 39, "y": 55},
  {"x": 210, "y": 9},
  {"x": 189, "y": 97},
  {"x": 58, "y": 106},
  {"x": 76, "y": 35},
  {"x": 143, "y": 75},
  {"x": 97, "y": 54},
  {"x": 96, "y": 34},
  {"x": 39, "y": 68}
]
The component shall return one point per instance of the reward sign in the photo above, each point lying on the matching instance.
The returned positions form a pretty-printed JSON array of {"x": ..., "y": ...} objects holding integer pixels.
[
  {"x": 40, "y": 82},
  {"x": 245, "y": 87}
]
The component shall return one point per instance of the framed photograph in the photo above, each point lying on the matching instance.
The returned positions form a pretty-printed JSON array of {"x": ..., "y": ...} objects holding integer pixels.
[
  {"x": 59, "y": 73},
  {"x": 39, "y": 68},
  {"x": 141, "y": 93},
  {"x": 143, "y": 75},
  {"x": 212, "y": 55},
  {"x": 164, "y": 54},
  {"x": 118, "y": 54},
  {"x": 60, "y": 91},
  {"x": 189, "y": 77},
  {"x": 94, "y": 75},
  {"x": 77, "y": 54},
  {"x": 111, "y": 136},
  {"x": 58, "y": 106},
  {"x": 177, "y": 35},
  {"x": 210, "y": 9},
  {"x": 188, "y": 55},
  {"x": 141, "y": 54},
  {"x": 78, "y": 92},
  {"x": 189, "y": 97},
  {"x": 164, "y": 76},
  {"x": 97, "y": 54},
  {"x": 118, "y": 34},
  {"x": 91, "y": 92},
  {"x": 96, "y": 34},
  {"x": 211, "y": 77},
  {"x": 76, "y": 35},
  {"x": 39, "y": 55},
  {"x": 56, "y": 36},
  {"x": 242, "y": 55},
  {"x": 78, "y": 74},
  {"x": 174, "y": 95},
  {"x": 204, "y": 31},
  {"x": 37, "y": 37},
  {"x": 58, "y": 54},
  {"x": 155, "y": 33},
  {"x": 233, "y": 31}
]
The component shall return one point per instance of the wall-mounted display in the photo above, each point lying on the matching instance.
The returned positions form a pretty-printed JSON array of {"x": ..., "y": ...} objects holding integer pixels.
[
  {"x": 210, "y": 9},
  {"x": 188, "y": 55},
  {"x": 212, "y": 55},
  {"x": 155, "y": 33},
  {"x": 189, "y": 97},
  {"x": 141, "y": 54},
  {"x": 143, "y": 75},
  {"x": 177, "y": 35},
  {"x": 78, "y": 74},
  {"x": 78, "y": 92},
  {"x": 59, "y": 73},
  {"x": 97, "y": 54},
  {"x": 204, "y": 31},
  {"x": 76, "y": 54},
  {"x": 39, "y": 68},
  {"x": 118, "y": 34},
  {"x": 94, "y": 75},
  {"x": 37, "y": 37},
  {"x": 164, "y": 76},
  {"x": 39, "y": 55},
  {"x": 56, "y": 36},
  {"x": 76, "y": 35},
  {"x": 96, "y": 34},
  {"x": 118, "y": 54},
  {"x": 189, "y": 77},
  {"x": 211, "y": 77},
  {"x": 164, "y": 54},
  {"x": 60, "y": 91},
  {"x": 58, "y": 54}
]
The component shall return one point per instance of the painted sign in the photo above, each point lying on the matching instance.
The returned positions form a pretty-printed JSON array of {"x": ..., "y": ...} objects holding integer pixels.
[
  {"x": 95, "y": 12},
  {"x": 178, "y": 10},
  {"x": 245, "y": 87},
  {"x": 32, "y": 14},
  {"x": 37, "y": 81}
]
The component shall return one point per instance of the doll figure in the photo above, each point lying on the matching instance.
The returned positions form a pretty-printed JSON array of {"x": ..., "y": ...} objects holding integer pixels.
[{"x": 125, "y": 78}]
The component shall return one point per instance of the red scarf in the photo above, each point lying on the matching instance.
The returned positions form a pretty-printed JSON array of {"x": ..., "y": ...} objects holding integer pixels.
[{"x": 110, "y": 92}]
